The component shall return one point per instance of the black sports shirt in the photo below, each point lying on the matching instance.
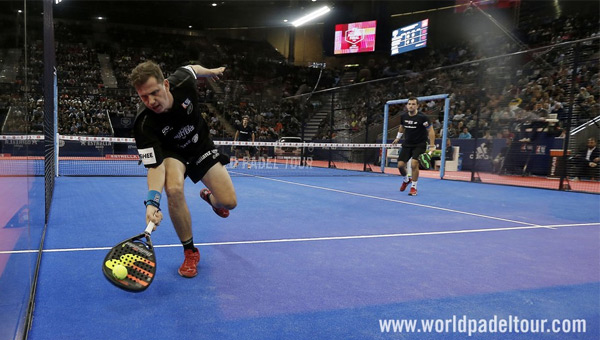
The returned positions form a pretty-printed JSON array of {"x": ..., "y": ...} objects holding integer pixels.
[
  {"x": 416, "y": 128},
  {"x": 180, "y": 130}
]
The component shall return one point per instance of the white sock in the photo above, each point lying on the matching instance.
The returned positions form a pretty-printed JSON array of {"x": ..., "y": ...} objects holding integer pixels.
[
  {"x": 414, "y": 184},
  {"x": 406, "y": 178}
]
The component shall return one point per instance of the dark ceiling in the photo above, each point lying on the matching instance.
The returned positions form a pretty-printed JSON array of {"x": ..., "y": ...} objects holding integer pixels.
[{"x": 201, "y": 14}]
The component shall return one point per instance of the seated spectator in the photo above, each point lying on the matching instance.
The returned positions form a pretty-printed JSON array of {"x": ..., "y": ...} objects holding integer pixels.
[
  {"x": 585, "y": 162},
  {"x": 465, "y": 134},
  {"x": 498, "y": 161}
]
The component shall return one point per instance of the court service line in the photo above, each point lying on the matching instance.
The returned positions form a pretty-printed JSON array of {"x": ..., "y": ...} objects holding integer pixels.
[
  {"x": 396, "y": 201},
  {"x": 329, "y": 238}
]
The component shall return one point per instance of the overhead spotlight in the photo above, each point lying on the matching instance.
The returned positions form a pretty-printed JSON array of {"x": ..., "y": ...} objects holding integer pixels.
[
  {"x": 190, "y": 26},
  {"x": 285, "y": 20},
  {"x": 214, "y": 4},
  {"x": 313, "y": 15},
  {"x": 100, "y": 18},
  {"x": 57, "y": 1}
]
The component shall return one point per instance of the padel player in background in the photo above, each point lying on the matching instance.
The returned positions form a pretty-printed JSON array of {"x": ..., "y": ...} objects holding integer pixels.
[
  {"x": 416, "y": 129},
  {"x": 173, "y": 141},
  {"x": 244, "y": 133}
]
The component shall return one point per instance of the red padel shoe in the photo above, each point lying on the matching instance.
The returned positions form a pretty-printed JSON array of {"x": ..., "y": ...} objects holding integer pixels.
[
  {"x": 404, "y": 185},
  {"x": 189, "y": 268},
  {"x": 413, "y": 191},
  {"x": 205, "y": 195}
]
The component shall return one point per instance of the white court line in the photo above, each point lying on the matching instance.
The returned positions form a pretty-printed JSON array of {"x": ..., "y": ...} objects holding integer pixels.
[
  {"x": 394, "y": 200},
  {"x": 329, "y": 238}
]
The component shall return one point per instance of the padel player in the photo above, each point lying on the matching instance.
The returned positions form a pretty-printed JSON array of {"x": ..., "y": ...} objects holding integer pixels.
[
  {"x": 173, "y": 141},
  {"x": 244, "y": 133},
  {"x": 416, "y": 128}
]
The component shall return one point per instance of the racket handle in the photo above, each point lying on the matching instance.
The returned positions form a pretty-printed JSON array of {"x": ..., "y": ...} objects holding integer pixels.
[{"x": 149, "y": 228}]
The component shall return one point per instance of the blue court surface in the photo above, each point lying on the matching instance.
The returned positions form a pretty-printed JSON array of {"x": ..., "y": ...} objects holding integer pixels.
[{"x": 329, "y": 258}]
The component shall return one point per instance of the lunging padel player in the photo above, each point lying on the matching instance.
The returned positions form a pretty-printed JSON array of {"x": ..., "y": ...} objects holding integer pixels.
[
  {"x": 416, "y": 129},
  {"x": 173, "y": 141}
]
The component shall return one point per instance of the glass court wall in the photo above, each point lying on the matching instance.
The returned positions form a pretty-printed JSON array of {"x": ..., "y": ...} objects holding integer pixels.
[{"x": 21, "y": 193}]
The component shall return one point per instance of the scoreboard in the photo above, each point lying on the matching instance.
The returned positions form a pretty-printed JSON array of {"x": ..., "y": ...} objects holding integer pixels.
[{"x": 410, "y": 38}]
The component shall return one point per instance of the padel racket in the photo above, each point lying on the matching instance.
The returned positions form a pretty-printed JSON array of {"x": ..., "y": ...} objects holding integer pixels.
[{"x": 136, "y": 254}]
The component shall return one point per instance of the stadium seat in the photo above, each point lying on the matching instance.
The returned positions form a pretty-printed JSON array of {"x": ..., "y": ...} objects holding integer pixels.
[
  {"x": 451, "y": 165},
  {"x": 392, "y": 155}
]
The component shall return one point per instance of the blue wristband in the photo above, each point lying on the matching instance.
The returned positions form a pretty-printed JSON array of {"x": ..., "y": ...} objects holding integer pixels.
[{"x": 153, "y": 198}]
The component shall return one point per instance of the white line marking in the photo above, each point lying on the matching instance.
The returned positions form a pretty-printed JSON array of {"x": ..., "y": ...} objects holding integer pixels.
[
  {"x": 329, "y": 238},
  {"x": 396, "y": 201}
]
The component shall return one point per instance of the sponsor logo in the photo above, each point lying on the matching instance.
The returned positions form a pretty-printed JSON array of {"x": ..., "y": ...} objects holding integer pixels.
[
  {"x": 187, "y": 104},
  {"x": 166, "y": 130},
  {"x": 140, "y": 249},
  {"x": 126, "y": 122},
  {"x": 184, "y": 132},
  {"x": 195, "y": 138},
  {"x": 207, "y": 154},
  {"x": 147, "y": 156},
  {"x": 482, "y": 152},
  {"x": 112, "y": 156}
]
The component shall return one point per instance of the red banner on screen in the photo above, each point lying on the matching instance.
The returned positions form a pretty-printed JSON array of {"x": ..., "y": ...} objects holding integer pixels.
[{"x": 355, "y": 37}]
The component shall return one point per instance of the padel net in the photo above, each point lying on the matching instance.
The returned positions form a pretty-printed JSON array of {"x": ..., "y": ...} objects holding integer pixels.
[{"x": 118, "y": 156}]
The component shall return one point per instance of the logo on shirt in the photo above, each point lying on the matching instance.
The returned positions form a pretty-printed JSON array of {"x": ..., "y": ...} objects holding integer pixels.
[
  {"x": 166, "y": 130},
  {"x": 147, "y": 156},
  {"x": 187, "y": 104},
  {"x": 184, "y": 132}
]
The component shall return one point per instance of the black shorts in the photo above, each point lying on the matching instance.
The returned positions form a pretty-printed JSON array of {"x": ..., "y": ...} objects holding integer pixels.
[
  {"x": 197, "y": 167},
  {"x": 411, "y": 151},
  {"x": 241, "y": 149}
]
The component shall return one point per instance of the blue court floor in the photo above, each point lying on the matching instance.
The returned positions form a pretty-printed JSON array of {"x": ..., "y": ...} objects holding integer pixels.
[{"x": 330, "y": 258}]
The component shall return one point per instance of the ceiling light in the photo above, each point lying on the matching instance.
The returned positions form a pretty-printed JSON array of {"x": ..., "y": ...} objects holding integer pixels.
[{"x": 313, "y": 15}]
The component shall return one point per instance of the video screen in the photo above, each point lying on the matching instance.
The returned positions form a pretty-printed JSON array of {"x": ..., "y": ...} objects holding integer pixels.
[
  {"x": 355, "y": 37},
  {"x": 410, "y": 37}
]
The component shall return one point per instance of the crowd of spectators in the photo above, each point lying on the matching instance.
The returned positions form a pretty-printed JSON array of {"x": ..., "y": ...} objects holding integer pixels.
[{"x": 487, "y": 97}]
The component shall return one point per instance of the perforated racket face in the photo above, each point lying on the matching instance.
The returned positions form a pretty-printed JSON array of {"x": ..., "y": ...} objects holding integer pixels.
[
  {"x": 425, "y": 160},
  {"x": 137, "y": 255}
]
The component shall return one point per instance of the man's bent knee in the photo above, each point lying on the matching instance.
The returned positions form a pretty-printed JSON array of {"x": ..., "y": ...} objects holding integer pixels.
[
  {"x": 174, "y": 193},
  {"x": 228, "y": 202}
]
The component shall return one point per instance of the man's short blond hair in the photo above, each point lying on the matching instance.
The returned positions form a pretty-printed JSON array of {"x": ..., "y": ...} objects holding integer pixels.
[{"x": 144, "y": 71}]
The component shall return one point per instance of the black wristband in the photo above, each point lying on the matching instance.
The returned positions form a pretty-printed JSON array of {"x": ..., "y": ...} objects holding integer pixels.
[{"x": 152, "y": 203}]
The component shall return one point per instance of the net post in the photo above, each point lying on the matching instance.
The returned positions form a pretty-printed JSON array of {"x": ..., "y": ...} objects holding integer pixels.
[
  {"x": 56, "y": 153},
  {"x": 55, "y": 124},
  {"x": 386, "y": 113},
  {"x": 444, "y": 137}
]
